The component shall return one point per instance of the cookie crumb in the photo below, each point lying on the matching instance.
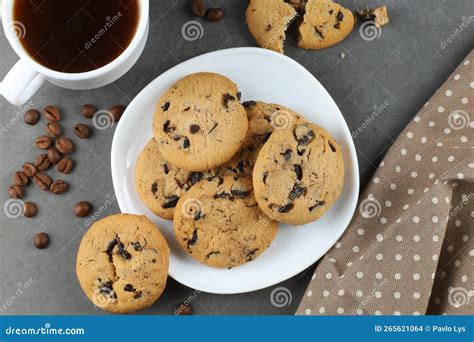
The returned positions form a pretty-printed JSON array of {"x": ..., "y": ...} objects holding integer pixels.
[{"x": 378, "y": 15}]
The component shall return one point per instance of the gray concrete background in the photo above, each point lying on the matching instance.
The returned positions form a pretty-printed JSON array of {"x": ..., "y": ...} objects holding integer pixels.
[{"x": 399, "y": 71}]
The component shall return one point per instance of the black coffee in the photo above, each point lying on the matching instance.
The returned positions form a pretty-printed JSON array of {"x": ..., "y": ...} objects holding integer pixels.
[{"x": 76, "y": 35}]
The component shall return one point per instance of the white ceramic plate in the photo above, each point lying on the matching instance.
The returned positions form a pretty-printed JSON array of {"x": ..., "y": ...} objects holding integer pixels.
[{"x": 260, "y": 75}]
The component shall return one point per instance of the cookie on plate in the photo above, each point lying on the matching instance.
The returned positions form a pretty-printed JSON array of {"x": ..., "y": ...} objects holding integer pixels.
[
  {"x": 199, "y": 122},
  {"x": 263, "y": 119},
  {"x": 268, "y": 21},
  {"x": 324, "y": 24},
  {"x": 219, "y": 223},
  {"x": 298, "y": 174},
  {"x": 159, "y": 183},
  {"x": 122, "y": 263}
]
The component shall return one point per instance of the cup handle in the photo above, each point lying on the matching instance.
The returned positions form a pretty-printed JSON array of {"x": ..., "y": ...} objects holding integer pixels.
[{"x": 21, "y": 83}]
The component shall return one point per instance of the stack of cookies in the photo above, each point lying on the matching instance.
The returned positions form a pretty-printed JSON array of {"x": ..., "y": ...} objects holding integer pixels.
[{"x": 228, "y": 172}]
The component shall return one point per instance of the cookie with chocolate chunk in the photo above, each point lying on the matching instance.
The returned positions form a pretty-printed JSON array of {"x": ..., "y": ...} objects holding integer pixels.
[
  {"x": 122, "y": 263},
  {"x": 199, "y": 122},
  {"x": 159, "y": 183},
  {"x": 324, "y": 24},
  {"x": 298, "y": 174},
  {"x": 219, "y": 223}
]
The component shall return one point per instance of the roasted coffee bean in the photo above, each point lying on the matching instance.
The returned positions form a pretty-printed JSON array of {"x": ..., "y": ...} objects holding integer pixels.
[
  {"x": 64, "y": 145},
  {"x": 43, "y": 142},
  {"x": 65, "y": 165},
  {"x": 58, "y": 187},
  {"x": 116, "y": 112},
  {"x": 88, "y": 111},
  {"x": 51, "y": 113},
  {"x": 29, "y": 209},
  {"x": 183, "y": 310},
  {"x": 15, "y": 192},
  {"x": 53, "y": 155},
  {"x": 41, "y": 240},
  {"x": 42, "y": 181},
  {"x": 42, "y": 162},
  {"x": 53, "y": 129},
  {"x": 198, "y": 8},
  {"x": 214, "y": 14},
  {"x": 32, "y": 116},
  {"x": 82, "y": 131},
  {"x": 83, "y": 209},
  {"x": 29, "y": 169},
  {"x": 20, "y": 178}
]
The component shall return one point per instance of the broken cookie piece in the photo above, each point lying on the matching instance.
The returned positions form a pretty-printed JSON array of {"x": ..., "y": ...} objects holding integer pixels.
[{"x": 378, "y": 15}]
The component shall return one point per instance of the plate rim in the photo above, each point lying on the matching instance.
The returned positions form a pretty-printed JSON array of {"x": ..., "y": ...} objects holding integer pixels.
[{"x": 312, "y": 78}]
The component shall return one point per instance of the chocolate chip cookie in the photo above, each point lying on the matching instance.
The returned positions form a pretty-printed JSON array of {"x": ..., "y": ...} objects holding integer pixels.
[
  {"x": 159, "y": 183},
  {"x": 122, "y": 263},
  {"x": 219, "y": 223},
  {"x": 298, "y": 174},
  {"x": 199, "y": 122},
  {"x": 324, "y": 24}
]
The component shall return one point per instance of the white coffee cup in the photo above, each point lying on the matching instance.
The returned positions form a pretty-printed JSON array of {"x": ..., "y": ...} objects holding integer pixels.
[{"x": 27, "y": 76}]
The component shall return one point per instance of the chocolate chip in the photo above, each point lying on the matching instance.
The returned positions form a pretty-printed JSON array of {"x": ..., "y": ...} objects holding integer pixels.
[
  {"x": 170, "y": 202},
  {"x": 337, "y": 26},
  {"x": 249, "y": 104},
  {"x": 64, "y": 145},
  {"x": 195, "y": 177},
  {"x": 110, "y": 248},
  {"x": 193, "y": 129},
  {"x": 88, "y": 111},
  {"x": 332, "y": 146},
  {"x": 296, "y": 192},
  {"x": 198, "y": 8},
  {"x": 51, "y": 113},
  {"x": 318, "y": 32},
  {"x": 128, "y": 288},
  {"x": 186, "y": 143},
  {"x": 116, "y": 112},
  {"x": 167, "y": 128},
  {"x": 32, "y": 117},
  {"x": 214, "y": 14},
  {"x": 15, "y": 191},
  {"x": 20, "y": 178},
  {"x": 241, "y": 167},
  {"x": 239, "y": 95},
  {"x": 65, "y": 165},
  {"x": 154, "y": 188},
  {"x": 286, "y": 208},
  {"x": 58, "y": 187},
  {"x": 54, "y": 156},
  {"x": 317, "y": 205},
  {"x": 42, "y": 162},
  {"x": 213, "y": 128},
  {"x": 166, "y": 169},
  {"x": 138, "y": 294},
  {"x": 287, "y": 154},
  {"x": 165, "y": 106},
  {"x": 224, "y": 195},
  {"x": 53, "y": 129},
  {"x": 41, "y": 240},
  {"x": 29, "y": 169},
  {"x": 29, "y": 209},
  {"x": 193, "y": 239},
  {"x": 42, "y": 181},
  {"x": 303, "y": 134},
  {"x": 136, "y": 246},
  {"x": 226, "y": 98},
  {"x": 339, "y": 16},
  {"x": 82, "y": 209},
  {"x": 239, "y": 193},
  {"x": 43, "y": 142},
  {"x": 298, "y": 171},
  {"x": 122, "y": 251},
  {"x": 82, "y": 131},
  {"x": 264, "y": 178},
  {"x": 183, "y": 310}
]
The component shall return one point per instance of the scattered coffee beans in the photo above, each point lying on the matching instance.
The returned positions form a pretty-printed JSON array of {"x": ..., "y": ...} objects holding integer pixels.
[
  {"x": 42, "y": 181},
  {"x": 41, "y": 240},
  {"x": 58, "y": 187},
  {"x": 43, "y": 142},
  {"x": 214, "y": 14},
  {"x": 116, "y": 112},
  {"x": 29, "y": 169},
  {"x": 83, "y": 209},
  {"x": 54, "y": 156},
  {"x": 198, "y": 8},
  {"x": 53, "y": 129},
  {"x": 184, "y": 309},
  {"x": 20, "y": 178},
  {"x": 88, "y": 111},
  {"x": 65, "y": 165},
  {"x": 64, "y": 145},
  {"x": 51, "y": 113},
  {"x": 15, "y": 192},
  {"x": 32, "y": 117},
  {"x": 42, "y": 162},
  {"x": 82, "y": 131},
  {"x": 29, "y": 209}
]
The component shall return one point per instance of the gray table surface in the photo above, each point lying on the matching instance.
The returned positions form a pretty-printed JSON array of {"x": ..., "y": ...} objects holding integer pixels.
[{"x": 399, "y": 70}]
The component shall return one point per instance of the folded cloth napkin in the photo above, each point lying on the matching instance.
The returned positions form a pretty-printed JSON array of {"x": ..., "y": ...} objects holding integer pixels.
[{"x": 409, "y": 249}]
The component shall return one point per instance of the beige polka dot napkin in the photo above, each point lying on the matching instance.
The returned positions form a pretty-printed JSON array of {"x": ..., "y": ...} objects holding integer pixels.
[{"x": 409, "y": 249}]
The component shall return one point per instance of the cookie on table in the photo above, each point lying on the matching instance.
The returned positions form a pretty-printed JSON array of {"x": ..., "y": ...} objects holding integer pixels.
[
  {"x": 159, "y": 183},
  {"x": 298, "y": 174},
  {"x": 199, "y": 122},
  {"x": 324, "y": 24},
  {"x": 122, "y": 263},
  {"x": 268, "y": 21},
  {"x": 263, "y": 119},
  {"x": 219, "y": 223}
]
